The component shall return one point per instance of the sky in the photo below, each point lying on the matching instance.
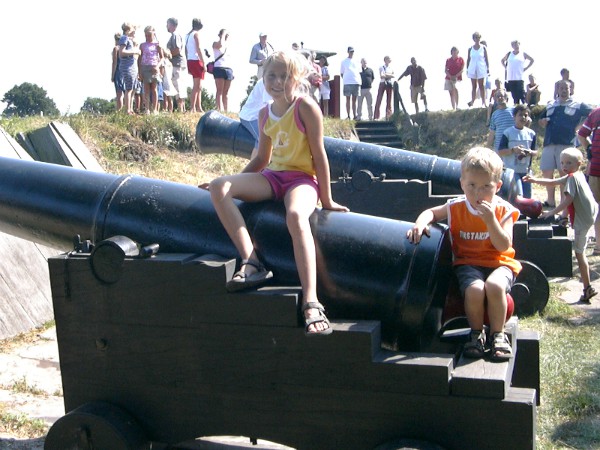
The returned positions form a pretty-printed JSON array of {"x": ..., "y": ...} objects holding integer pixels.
[{"x": 64, "y": 46}]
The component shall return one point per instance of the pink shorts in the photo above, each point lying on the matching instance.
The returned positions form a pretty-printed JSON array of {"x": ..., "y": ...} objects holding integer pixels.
[
  {"x": 282, "y": 181},
  {"x": 196, "y": 68}
]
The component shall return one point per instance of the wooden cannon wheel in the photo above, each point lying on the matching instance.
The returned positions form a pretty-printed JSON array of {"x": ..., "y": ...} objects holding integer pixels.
[
  {"x": 97, "y": 425},
  {"x": 530, "y": 291}
]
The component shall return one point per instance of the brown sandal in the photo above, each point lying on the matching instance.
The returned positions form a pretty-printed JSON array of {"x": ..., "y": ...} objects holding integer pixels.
[
  {"x": 241, "y": 280},
  {"x": 321, "y": 318}
]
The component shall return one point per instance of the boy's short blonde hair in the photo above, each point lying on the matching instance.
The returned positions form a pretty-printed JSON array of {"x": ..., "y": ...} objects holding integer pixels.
[
  {"x": 127, "y": 27},
  {"x": 484, "y": 159},
  {"x": 573, "y": 153}
]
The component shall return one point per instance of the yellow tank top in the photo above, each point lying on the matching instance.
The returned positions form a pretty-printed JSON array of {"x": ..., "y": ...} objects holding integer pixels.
[{"x": 290, "y": 143}]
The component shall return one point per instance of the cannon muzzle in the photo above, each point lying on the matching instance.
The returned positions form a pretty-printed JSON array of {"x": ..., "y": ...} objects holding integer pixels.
[
  {"x": 216, "y": 133},
  {"x": 367, "y": 269}
]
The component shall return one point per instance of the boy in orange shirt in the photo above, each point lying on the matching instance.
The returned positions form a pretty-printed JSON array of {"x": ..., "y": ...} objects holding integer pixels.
[{"x": 481, "y": 230}]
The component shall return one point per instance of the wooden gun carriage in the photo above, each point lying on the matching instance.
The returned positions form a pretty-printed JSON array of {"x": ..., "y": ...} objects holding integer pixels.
[{"x": 154, "y": 352}]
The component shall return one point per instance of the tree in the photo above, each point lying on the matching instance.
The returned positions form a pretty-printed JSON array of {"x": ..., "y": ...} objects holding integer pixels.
[
  {"x": 253, "y": 81},
  {"x": 28, "y": 99},
  {"x": 97, "y": 105}
]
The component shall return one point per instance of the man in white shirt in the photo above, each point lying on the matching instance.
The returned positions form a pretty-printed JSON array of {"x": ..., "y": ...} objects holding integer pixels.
[
  {"x": 350, "y": 72},
  {"x": 386, "y": 85}
]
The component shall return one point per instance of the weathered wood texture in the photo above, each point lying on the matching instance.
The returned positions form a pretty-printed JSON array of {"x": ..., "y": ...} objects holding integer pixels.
[
  {"x": 527, "y": 364},
  {"x": 481, "y": 378},
  {"x": 186, "y": 359},
  {"x": 57, "y": 143},
  {"x": 11, "y": 148},
  {"x": 25, "y": 297}
]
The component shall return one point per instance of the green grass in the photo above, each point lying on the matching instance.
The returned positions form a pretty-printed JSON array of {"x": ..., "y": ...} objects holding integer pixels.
[
  {"x": 569, "y": 415},
  {"x": 21, "y": 425},
  {"x": 23, "y": 387}
]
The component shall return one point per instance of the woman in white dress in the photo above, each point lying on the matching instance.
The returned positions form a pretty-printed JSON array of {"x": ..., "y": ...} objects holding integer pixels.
[{"x": 478, "y": 68}]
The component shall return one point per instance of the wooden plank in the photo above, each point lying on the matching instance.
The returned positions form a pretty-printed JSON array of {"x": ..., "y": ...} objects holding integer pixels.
[
  {"x": 26, "y": 300},
  {"x": 73, "y": 147},
  {"x": 526, "y": 373},
  {"x": 25, "y": 142},
  {"x": 10, "y": 148},
  {"x": 176, "y": 291},
  {"x": 339, "y": 415},
  {"x": 483, "y": 378},
  {"x": 220, "y": 376},
  {"x": 545, "y": 245},
  {"x": 45, "y": 147}
]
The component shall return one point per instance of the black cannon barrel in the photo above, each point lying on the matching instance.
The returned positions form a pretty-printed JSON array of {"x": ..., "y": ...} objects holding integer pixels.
[
  {"x": 367, "y": 268},
  {"x": 216, "y": 133}
]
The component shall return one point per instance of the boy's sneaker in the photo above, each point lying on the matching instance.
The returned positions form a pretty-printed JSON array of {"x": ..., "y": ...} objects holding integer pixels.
[
  {"x": 588, "y": 293},
  {"x": 475, "y": 348}
]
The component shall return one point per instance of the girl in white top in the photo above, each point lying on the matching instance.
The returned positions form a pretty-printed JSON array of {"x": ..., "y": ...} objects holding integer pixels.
[
  {"x": 222, "y": 73},
  {"x": 478, "y": 67},
  {"x": 195, "y": 63}
]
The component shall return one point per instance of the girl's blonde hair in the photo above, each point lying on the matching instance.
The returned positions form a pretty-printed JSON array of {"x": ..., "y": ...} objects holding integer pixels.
[
  {"x": 297, "y": 68},
  {"x": 481, "y": 158}
]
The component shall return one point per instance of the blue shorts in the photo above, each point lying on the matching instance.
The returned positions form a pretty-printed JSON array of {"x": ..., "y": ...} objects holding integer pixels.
[
  {"x": 282, "y": 181},
  {"x": 468, "y": 275},
  {"x": 223, "y": 72},
  {"x": 252, "y": 127}
]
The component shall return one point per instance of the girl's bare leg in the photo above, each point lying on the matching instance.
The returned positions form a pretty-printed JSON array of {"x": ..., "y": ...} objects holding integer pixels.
[
  {"x": 300, "y": 204},
  {"x": 251, "y": 187}
]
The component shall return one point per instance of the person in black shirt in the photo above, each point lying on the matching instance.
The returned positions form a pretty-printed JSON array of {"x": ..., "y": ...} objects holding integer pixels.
[{"x": 367, "y": 76}]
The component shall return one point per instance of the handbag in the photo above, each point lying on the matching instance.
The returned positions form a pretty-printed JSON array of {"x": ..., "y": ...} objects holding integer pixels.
[{"x": 210, "y": 67}]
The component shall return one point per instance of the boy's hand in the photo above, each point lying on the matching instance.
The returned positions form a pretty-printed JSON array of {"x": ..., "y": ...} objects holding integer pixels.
[
  {"x": 205, "y": 186},
  {"x": 528, "y": 179},
  {"x": 522, "y": 151},
  {"x": 416, "y": 232},
  {"x": 486, "y": 210}
]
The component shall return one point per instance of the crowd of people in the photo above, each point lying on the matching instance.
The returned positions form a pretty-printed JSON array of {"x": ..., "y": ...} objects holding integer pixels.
[
  {"x": 567, "y": 124},
  {"x": 183, "y": 62},
  {"x": 149, "y": 77}
]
